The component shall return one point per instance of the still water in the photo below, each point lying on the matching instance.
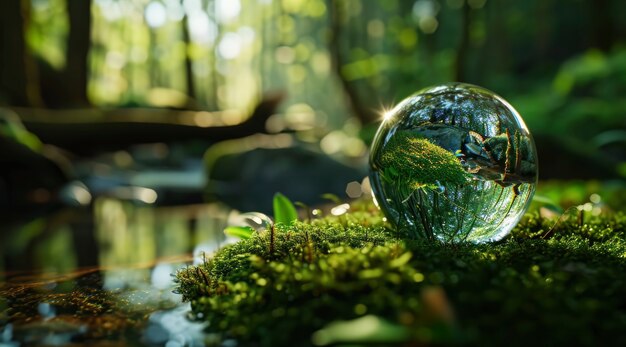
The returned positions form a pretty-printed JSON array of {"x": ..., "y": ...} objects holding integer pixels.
[{"x": 102, "y": 275}]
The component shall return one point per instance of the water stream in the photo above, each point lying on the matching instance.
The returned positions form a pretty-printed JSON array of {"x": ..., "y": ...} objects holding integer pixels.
[{"x": 102, "y": 275}]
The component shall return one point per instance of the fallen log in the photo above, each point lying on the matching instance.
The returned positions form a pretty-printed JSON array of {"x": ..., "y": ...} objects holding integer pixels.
[{"x": 87, "y": 131}]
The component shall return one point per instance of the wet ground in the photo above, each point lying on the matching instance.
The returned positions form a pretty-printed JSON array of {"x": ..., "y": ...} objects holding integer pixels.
[{"x": 102, "y": 275}]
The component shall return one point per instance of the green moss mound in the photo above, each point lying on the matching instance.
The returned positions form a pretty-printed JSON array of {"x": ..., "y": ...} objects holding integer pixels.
[
  {"x": 349, "y": 280},
  {"x": 420, "y": 162}
]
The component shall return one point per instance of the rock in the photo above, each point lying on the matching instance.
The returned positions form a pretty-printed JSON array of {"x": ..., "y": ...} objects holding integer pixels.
[{"x": 247, "y": 180}]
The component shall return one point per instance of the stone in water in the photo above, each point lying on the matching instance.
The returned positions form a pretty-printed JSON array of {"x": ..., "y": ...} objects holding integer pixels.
[{"x": 453, "y": 163}]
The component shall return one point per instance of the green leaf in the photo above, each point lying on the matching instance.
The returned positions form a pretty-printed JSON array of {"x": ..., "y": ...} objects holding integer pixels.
[
  {"x": 284, "y": 211},
  {"x": 240, "y": 232},
  {"x": 547, "y": 203}
]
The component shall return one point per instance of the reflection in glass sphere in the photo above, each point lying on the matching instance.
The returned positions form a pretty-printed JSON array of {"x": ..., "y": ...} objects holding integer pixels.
[{"x": 453, "y": 163}]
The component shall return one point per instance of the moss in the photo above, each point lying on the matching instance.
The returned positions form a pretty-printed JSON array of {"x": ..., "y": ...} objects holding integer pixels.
[
  {"x": 420, "y": 162},
  {"x": 547, "y": 285}
]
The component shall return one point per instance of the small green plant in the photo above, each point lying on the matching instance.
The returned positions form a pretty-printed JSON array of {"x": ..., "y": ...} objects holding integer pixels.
[{"x": 284, "y": 210}]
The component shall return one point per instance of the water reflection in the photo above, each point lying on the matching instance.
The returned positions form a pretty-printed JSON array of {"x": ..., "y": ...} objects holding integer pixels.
[{"x": 87, "y": 276}]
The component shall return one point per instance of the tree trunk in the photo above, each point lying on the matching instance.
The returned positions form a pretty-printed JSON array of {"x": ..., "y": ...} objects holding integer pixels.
[
  {"x": 191, "y": 90},
  {"x": 602, "y": 31},
  {"x": 18, "y": 72},
  {"x": 461, "y": 52},
  {"x": 77, "y": 52},
  {"x": 359, "y": 107}
]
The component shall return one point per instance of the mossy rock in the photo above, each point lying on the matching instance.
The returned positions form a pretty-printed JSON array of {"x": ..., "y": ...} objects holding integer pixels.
[{"x": 350, "y": 280}]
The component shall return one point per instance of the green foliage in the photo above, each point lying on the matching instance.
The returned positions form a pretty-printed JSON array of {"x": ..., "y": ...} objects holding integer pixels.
[
  {"x": 284, "y": 210},
  {"x": 591, "y": 86},
  {"x": 547, "y": 203},
  {"x": 420, "y": 162},
  {"x": 549, "y": 284},
  {"x": 573, "y": 193},
  {"x": 242, "y": 232},
  {"x": 587, "y": 86}
]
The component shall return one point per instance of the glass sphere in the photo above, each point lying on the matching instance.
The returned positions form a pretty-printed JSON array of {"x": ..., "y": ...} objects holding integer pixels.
[{"x": 453, "y": 163}]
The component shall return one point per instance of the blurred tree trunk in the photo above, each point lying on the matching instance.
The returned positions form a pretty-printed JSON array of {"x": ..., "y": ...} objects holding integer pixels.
[
  {"x": 603, "y": 34},
  {"x": 191, "y": 90},
  {"x": 18, "y": 72},
  {"x": 92, "y": 130},
  {"x": 360, "y": 109},
  {"x": 78, "y": 43},
  {"x": 543, "y": 12},
  {"x": 462, "y": 50}
]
